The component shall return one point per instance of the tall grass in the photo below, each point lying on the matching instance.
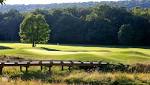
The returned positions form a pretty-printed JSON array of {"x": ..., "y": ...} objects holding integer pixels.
[
  {"x": 81, "y": 77},
  {"x": 31, "y": 82},
  {"x": 96, "y": 78},
  {"x": 139, "y": 76}
]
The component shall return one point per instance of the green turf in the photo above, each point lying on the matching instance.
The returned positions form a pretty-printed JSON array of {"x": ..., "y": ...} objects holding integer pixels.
[{"x": 114, "y": 54}]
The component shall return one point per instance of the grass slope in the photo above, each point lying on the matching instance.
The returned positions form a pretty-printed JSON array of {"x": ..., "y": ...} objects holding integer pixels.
[{"x": 114, "y": 54}]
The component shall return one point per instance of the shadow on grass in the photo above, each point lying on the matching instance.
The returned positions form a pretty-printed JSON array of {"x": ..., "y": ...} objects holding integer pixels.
[
  {"x": 48, "y": 49},
  {"x": 88, "y": 51},
  {"x": 103, "y": 51},
  {"x": 120, "y": 46},
  {"x": 32, "y": 75},
  {"x": 11, "y": 58},
  {"x": 4, "y": 47},
  {"x": 108, "y": 46},
  {"x": 136, "y": 52}
]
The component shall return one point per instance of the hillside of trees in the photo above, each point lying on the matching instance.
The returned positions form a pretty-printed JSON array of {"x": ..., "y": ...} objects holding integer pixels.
[
  {"x": 122, "y": 3},
  {"x": 95, "y": 25},
  {"x": 26, "y": 8}
]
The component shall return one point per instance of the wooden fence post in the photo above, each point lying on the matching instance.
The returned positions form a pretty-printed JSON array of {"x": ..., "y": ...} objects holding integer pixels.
[
  {"x": 1, "y": 68},
  {"x": 71, "y": 64},
  {"x": 21, "y": 68},
  {"x": 41, "y": 65},
  {"x": 50, "y": 66},
  {"x": 28, "y": 64},
  {"x": 62, "y": 66},
  {"x": 69, "y": 68},
  {"x": 49, "y": 70},
  {"x": 26, "y": 68}
]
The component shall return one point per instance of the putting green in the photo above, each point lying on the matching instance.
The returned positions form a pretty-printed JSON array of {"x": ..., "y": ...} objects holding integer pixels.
[
  {"x": 115, "y": 54},
  {"x": 45, "y": 52}
]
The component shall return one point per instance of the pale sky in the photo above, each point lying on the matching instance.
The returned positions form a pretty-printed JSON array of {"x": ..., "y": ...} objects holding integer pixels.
[{"x": 47, "y": 1}]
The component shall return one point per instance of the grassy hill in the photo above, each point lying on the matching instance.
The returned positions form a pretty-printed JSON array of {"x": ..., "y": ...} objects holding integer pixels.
[{"x": 114, "y": 54}]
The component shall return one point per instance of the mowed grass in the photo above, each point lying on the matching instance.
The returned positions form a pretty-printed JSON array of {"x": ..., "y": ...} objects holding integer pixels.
[{"x": 114, "y": 54}]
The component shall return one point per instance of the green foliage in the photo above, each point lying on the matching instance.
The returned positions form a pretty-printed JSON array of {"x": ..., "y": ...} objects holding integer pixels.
[
  {"x": 146, "y": 14},
  {"x": 78, "y": 77},
  {"x": 2, "y": 1},
  {"x": 126, "y": 34},
  {"x": 34, "y": 29},
  {"x": 9, "y": 25},
  {"x": 141, "y": 12},
  {"x": 96, "y": 25}
]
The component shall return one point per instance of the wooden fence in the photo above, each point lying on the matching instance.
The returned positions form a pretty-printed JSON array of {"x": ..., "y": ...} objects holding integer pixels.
[{"x": 48, "y": 63}]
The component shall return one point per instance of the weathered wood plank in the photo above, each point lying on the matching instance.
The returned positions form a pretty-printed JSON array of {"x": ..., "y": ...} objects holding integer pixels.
[{"x": 48, "y": 63}]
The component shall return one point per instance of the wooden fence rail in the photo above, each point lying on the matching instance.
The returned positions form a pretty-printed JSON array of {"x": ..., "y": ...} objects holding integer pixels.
[{"x": 48, "y": 63}]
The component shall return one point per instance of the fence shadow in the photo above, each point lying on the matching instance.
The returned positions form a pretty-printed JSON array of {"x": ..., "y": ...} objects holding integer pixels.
[
  {"x": 48, "y": 49},
  {"x": 4, "y": 47},
  {"x": 32, "y": 75}
]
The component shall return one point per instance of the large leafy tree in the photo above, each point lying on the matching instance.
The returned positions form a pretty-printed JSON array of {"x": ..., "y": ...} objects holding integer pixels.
[
  {"x": 9, "y": 25},
  {"x": 2, "y": 1},
  {"x": 126, "y": 34},
  {"x": 133, "y": 33},
  {"x": 34, "y": 29}
]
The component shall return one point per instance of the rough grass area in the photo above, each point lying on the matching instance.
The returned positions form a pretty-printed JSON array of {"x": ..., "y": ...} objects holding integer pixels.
[
  {"x": 114, "y": 54},
  {"x": 80, "y": 78}
]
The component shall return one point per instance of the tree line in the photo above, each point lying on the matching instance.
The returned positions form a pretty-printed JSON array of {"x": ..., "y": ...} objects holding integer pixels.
[
  {"x": 120, "y": 3},
  {"x": 94, "y": 25}
]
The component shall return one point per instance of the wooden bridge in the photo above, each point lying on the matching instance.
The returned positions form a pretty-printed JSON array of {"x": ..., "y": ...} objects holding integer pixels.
[{"x": 48, "y": 63}]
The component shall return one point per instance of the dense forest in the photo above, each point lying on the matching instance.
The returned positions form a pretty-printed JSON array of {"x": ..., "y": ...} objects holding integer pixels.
[
  {"x": 120, "y": 3},
  {"x": 94, "y": 25}
]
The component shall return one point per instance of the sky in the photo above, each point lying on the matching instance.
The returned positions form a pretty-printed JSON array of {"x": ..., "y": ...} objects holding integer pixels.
[{"x": 47, "y": 1}]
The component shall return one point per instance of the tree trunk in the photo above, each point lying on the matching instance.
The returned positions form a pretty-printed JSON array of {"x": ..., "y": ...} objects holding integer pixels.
[{"x": 33, "y": 44}]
